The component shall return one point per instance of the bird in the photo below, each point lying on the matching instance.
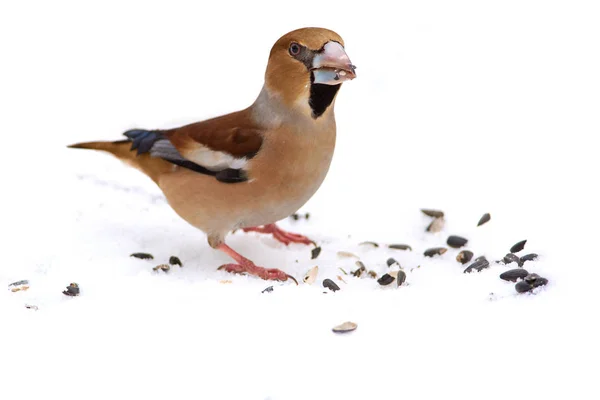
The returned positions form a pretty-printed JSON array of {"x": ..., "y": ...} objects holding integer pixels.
[{"x": 251, "y": 168}]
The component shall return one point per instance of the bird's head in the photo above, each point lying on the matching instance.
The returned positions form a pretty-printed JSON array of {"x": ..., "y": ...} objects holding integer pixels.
[{"x": 306, "y": 69}]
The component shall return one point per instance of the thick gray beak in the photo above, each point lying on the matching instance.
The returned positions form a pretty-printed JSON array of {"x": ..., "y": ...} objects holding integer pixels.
[{"x": 332, "y": 66}]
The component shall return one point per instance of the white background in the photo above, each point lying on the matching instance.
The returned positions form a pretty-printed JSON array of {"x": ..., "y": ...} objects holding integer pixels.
[{"x": 466, "y": 106}]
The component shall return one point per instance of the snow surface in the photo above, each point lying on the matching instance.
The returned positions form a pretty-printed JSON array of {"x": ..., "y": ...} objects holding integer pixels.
[{"x": 465, "y": 106}]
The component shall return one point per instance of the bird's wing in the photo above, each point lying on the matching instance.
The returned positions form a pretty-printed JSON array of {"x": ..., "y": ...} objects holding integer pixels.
[{"x": 220, "y": 146}]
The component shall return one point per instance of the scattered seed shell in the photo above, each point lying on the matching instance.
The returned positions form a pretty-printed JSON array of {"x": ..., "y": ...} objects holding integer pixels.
[
  {"x": 373, "y": 274},
  {"x": 528, "y": 257},
  {"x": 31, "y": 307},
  {"x": 512, "y": 258},
  {"x": 315, "y": 253},
  {"x": 391, "y": 261},
  {"x": 436, "y": 225},
  {"x": 346, "y": 254},
  {"x": 385, "y": 279},
  {"x": 143, "y": 256},
  {"x": 175, "y": 261},
  {"x": 340, "y": 279},
  {"x": 331, "y": 285},
  {"x": 164, "y": 267},
  {"x": 464, "y": 256},
  {"x": 311, "y": 275},
  {"x": 400, "y": 278},
  {"x": 531, "y": 282},
  {"x": 345, "y": 327},
  {"x": 456, "y": 241},
  {"x": 478, "y": 265},
  {"x": 369, "y": 244},
  {"x": 342, "y": 269},
  {"x": 435, "y": 251},
  {"x": 400, "y": 247},
  {"x": 514, "y": 275},
  {"x": 225, "y": 281},
  {"x": 517, "y": 247},
  {"x": 484, "y": 218},
  {"x": 432, "y": 213},
  {"x": 268, "y": 289},
  {"x": 19, "y": 285},
  {"x": 72, "y": 290}
]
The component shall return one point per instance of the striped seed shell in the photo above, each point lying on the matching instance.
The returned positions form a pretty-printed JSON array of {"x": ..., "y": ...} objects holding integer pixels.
[
  {"x": 464, "y": 256},
  {"x": 369, "y": 244},
  {"x": 400, "y": 247},
  {"x": 400, "y": 278},
  {"x": 432, "y": 213},
  {"x": 143, "y": 256},
  {"x": 514, "y": 275},
  {"x": 436, "y": 225},
  {"x": 331, "y": 285},
  {"x": 528, "y": 257},
  {"x": 479, "y": 264},
  {"x": 346, "y": 254},
  {"x": 510, "y": 258},
  {"x": 435, "y": 251},
  {"x": 345, "y": 327},
  {"x": 391, "y": 261},
  {"x": 315, "y": 253},
  {"x": 484, "y": 218}
]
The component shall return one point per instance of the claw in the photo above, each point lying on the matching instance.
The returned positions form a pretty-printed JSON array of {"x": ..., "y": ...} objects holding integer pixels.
[{"x": 292, "y": 278}]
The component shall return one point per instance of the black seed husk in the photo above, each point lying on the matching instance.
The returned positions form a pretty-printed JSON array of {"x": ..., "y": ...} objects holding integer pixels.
[
  {"x": 268, "y": 289},
  {"x": 510, "y": 258},
  {"x": 400, "y": 247},
  {"x": 456, "y": 241},
  {"x": 391, "y": 261},
  {"x": 385, "y": 279},
  {"x": 173, "y": 260},
  {"x": 484, "y": 218},
  {"x": 432, "y": 213},
  {"x": 331, "y": 285},
  {"x": 526, "y": 286},
  {"x": 435, "y": 251},
  {"x": 401, "y": 278},
  {"x": 72, "y": 290},
  {"x": 464, "y": 256},
  {"x": 478, "y": 265},
  {"x": 517, "y": 247},
  {"x": 514, "y": 275},
  {"x": 315, "y": 253},
  {"x": 143, "y": 256},
  {"x": 528, "y": 257}
]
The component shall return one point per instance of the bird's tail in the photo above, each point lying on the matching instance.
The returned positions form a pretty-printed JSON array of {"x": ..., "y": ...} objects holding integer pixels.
[{"x": 151, "y": 166}]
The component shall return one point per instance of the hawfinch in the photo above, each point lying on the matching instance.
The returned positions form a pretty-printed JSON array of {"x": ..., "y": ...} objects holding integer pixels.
[{"x": 253, "y": 167}]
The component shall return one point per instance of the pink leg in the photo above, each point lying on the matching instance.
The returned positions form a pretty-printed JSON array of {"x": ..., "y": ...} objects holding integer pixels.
[
  {"x": 280, "y": 235},
  {"x": 245, "y": 265}
]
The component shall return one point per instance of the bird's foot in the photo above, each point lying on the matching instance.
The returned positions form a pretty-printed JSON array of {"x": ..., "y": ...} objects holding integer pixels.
[
  {"x": 280, "y": 235},
  {"x": 244, "y": 265}
]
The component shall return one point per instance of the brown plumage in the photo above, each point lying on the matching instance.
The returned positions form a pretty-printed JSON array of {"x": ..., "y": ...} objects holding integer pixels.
[{"x": 256, "y": 166}]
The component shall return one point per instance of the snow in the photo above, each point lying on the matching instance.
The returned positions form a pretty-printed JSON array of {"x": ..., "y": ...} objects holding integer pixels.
[{"x": 469, "y": 107}]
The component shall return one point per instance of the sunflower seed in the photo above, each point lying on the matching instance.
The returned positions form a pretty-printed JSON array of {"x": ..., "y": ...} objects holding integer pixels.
[
  {"x": 432, "y": 213},
  {"x": 268, "y": 289},
  {"x": 530, "y": 283},
  {"x": 385, "y": 279},
  {"x": 331, "y": 285},
  {"x": 478, "y": 265},
  {"x": 485, "y": 218},
  {"x": 512, "y": 258},
  {"x": 390, "y": 261},
  {"x": 311, "y": 275},
  {"x": 346, "y": 254},
  {"x": 175, "y": 261},
  {"x": 514, "y": 275},
  {"x": 19, "y": 285},
  {"x": 369, "y": 244},
  {"x": 456, "y": 241},
  {"x": 164, "y": 267},
  {"x": 143, "y": 256},
  {"x": 517, "y": 247},
  {"x": 436, "y": 225},
  {"x": 72, "y": 290},
  {"x": 435, "y": 251},
  {"x": 400, "y": 247},
  {"x": 314, "y": 253},
  {"x": 401, "y": 278},
  {"x": 528, "y": 257},
  {"x": 464, "y": 256},
  {"x": 345, "y": 327}
]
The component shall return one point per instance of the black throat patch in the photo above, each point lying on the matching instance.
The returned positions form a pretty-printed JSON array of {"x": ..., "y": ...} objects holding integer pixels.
[{"x": 321, "y": 96}]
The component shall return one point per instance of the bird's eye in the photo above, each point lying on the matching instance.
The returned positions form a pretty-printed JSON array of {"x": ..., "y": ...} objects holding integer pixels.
[{"x": 294, "y": 49}]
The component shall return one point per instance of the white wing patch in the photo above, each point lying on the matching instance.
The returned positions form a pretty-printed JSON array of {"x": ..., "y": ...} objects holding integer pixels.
[{"x": 207, "y": 158}]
